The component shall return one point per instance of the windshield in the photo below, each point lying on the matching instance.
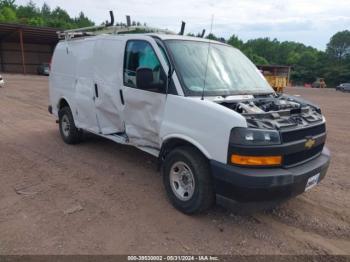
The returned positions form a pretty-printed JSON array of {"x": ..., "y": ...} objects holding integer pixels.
[{"x": 229, "y": 72}]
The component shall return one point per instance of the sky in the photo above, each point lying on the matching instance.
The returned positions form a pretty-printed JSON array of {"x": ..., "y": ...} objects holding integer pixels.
[{"x": 311, "y": 22}]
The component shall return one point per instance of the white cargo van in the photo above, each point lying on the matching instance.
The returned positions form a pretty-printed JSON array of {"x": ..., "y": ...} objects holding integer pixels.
[{"x": 201, "y": 107}]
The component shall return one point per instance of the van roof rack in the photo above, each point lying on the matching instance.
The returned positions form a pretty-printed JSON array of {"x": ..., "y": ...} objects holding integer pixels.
[
  {"x": 110, "y": 28},
  {"x": 98, "y": 30}
]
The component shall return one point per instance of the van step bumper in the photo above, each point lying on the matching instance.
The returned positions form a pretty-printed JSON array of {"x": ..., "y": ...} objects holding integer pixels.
[{"x": 266, "y": 184}]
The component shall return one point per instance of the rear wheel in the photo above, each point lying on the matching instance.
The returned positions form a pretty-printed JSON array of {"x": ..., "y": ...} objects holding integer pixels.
[
  {"x": 187, "y": 180},
  {"x": 69, "y": 132}
]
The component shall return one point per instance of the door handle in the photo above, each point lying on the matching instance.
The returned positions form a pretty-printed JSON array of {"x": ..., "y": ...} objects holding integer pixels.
[
  {"x": 96, "y": 90},
  {"x": 121, "y": 96}
]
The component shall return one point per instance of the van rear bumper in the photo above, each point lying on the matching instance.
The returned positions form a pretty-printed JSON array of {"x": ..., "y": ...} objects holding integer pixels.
[{"x": 266, "y": 184}]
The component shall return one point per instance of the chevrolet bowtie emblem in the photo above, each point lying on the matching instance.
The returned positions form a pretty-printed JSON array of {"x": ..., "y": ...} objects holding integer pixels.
[{"x": 310, "y": 143}]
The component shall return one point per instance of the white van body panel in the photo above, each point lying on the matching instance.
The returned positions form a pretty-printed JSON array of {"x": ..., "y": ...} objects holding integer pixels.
[
  {"x": 62, "y": 77},
  {"x": 85, "y": 113},
  {"x": 203, "y": 123},
  {"x": 146, "y": 119},
  {"x": 71, "y": 80},
  {"x": 108, "y": 76},
  {"x": 143, "y": 114}
]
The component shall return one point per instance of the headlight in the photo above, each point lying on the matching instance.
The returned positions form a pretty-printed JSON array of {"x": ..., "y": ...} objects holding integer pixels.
[{"x": 250, "y": 136}]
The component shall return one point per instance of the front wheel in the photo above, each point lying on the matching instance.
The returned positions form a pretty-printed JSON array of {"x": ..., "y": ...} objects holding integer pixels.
[
  {"x": 187, "y": 180},
  {"x": 69, "y": 132}
]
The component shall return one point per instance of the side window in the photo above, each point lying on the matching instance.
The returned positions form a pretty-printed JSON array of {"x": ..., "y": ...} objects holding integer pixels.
[{"x": 140, "y": 57}]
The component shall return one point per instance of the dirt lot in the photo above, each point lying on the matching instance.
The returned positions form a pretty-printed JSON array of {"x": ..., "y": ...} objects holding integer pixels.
[{"x": 99, "y": 197}]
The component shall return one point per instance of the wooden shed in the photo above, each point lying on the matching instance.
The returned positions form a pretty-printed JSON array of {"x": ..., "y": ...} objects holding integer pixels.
[{"x": 23, "y": 48}]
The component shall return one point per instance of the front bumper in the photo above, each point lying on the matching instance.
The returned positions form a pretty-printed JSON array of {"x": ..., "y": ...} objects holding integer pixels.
[{"x": 266, "y": 184}]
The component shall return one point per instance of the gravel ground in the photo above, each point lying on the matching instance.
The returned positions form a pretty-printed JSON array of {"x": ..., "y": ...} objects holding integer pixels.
[{"x": 99, "y": 197}]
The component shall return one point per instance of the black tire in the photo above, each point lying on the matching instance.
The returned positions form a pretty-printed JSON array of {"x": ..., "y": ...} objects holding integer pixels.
[
  {"x": 203, "y": 196},
  {"x": 73, "y": 135}
]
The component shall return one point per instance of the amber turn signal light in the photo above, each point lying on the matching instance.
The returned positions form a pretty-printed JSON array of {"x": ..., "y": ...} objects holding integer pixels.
[{"x": 256, "y": 160}]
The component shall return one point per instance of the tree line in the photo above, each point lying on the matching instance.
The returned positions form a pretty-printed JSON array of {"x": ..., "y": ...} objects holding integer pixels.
[
  {"x": 308, "y": 63},
  {"x": 31, "y": 14}
]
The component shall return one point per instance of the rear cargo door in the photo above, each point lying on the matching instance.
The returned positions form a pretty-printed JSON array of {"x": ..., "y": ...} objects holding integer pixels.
[{"x": 143, "y": 108}]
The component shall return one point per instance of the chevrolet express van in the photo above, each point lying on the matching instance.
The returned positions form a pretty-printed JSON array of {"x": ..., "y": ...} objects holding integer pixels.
[{"x": 201, "y": 107}]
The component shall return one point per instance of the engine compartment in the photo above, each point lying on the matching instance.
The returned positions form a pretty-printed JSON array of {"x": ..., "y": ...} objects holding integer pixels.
[{"x": 276, "y": 112}]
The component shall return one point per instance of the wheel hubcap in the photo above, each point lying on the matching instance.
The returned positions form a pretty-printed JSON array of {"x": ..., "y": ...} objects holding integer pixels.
[
  {"x": 182, "y": 181},
  {"x": 65, "y": 125}
]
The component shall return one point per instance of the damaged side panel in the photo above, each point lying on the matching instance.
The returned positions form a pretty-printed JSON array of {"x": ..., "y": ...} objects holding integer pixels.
[
  {"x": 143, "y": 106},
  {"x": 107, "y": 75},
  {"x": 85, "y": 114},
  {"x": 143, "y": 114}
]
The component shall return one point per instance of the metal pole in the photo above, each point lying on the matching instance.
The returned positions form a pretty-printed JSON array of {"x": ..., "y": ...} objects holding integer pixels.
[
  {"x": 288, "y": 79},
  {"x": 22, "y": 50},
  {"x": 2, "y": 56}
]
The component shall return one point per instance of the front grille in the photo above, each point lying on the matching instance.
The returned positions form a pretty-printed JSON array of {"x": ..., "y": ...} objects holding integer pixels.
[
  {"x": 295, "y": 135},
  {"x": 302, "y": 156}
]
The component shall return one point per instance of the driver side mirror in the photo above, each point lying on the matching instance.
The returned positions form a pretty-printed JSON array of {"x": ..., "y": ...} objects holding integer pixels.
[{"x": 144, "y": 78}]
